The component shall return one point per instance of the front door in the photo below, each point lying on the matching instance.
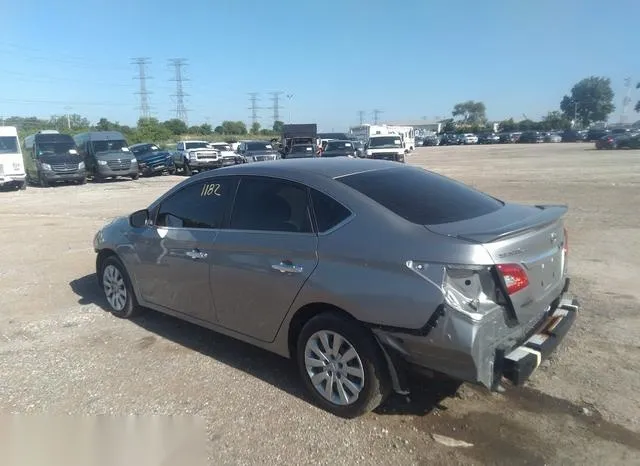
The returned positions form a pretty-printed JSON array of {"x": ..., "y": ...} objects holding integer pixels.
[
  {"x": 262, "y": 261},
  {"x": 174, "y": 254}
]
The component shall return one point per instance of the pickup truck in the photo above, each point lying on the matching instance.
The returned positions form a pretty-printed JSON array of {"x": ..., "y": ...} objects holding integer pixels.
[{"x": 196, "y": 156}]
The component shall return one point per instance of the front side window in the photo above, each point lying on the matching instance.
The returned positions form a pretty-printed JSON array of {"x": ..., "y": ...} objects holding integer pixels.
[
  {"x": 199, "y": 205},
  {"x": 268, "y": 204}
]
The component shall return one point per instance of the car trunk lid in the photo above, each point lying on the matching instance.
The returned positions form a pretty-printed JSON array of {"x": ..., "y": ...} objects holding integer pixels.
[{"x": 531, "y": 237}]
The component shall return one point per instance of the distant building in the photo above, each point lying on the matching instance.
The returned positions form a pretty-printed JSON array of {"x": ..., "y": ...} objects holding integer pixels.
[{"x": 420, "y": 126}]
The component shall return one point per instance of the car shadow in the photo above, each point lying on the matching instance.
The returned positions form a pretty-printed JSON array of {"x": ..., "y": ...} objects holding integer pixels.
[{"x": 426, "y": 395}]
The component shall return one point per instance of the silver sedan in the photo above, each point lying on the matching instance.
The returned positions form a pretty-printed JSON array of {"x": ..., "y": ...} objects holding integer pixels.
[{"x": 359, "y": 270}]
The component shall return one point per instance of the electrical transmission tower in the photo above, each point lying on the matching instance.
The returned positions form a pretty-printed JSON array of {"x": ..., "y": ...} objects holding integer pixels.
[
  {"x": 276, "y": 107},
  {"x": 626, "y": 100},
  {"x": 361, "y": 116},
  {"x": 145, "y": 109},
  {"x": 253, "y": 98},
  {"x": 181, "y": 111},
  {"x": 376, "y": 114}
]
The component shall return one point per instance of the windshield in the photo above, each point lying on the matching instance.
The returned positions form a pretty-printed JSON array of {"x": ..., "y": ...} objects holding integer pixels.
[
  {"x": 339, "y": 145},
  {"x": 222, "y": 146},
  {"x": 58, "y": 147},
  {"x": 104, "y": 146},
  {"x": 196, "y": 145},
  {"x": 8, "y": 144},
  {"x": 259, "y": 146},
  {"x": 388, "y": 141},
  {"x": 301, "y": 149}
]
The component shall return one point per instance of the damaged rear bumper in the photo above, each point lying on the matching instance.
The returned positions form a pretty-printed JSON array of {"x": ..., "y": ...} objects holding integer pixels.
[
  {"x": 518, "y": 365},
  {"x": 475, "y": 354}
]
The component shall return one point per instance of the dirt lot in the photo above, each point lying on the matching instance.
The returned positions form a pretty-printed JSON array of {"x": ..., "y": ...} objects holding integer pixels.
[{"x": 60, "y": 352}]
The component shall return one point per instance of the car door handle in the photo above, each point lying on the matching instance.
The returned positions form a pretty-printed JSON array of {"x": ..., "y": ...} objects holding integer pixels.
[
  {"x": 196, "y": 254},
  {"x": 287, "y": 267}
]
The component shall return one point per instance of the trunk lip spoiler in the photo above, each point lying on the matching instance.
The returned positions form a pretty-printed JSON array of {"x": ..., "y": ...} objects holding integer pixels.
[{"x": 548, "y": 214}]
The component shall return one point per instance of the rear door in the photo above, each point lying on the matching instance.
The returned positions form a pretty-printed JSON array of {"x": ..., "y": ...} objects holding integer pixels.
[{"x": 262, "y": 261}]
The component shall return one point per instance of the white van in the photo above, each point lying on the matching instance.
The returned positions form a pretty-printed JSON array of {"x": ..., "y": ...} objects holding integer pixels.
[{"x": 11, "y": 164}]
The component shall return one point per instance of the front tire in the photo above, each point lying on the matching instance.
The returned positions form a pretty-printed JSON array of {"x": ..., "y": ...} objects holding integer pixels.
[
  {"x": 187, "y": 169},
  {"x": 135, "y": 177},
  {"x": 342, "y": 366},
  {"x": 117, "y": 288},
  {"x": 23, "y": 185}
]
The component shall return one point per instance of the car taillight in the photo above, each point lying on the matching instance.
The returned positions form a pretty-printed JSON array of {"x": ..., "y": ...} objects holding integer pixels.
[
  {"x": 515, "y": 277},
  {"x": 565, "y": 244}
]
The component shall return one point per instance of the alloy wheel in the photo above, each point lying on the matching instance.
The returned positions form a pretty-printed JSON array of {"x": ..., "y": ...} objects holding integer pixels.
[
  {"x": 334, "y": 367},
  {"x": 114, "y": 287}
]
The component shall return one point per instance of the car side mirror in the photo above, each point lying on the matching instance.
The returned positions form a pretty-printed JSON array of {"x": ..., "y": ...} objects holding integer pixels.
[{"x": 139, "y": 218}]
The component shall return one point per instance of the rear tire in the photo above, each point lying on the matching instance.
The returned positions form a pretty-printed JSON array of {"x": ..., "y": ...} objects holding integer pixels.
[
  {"x": 350, "y": 376},
  {"x": 117, "y": 288}
]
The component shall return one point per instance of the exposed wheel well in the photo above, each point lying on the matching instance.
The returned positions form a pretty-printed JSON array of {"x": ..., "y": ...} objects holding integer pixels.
[{"x": 306, "y": 313}]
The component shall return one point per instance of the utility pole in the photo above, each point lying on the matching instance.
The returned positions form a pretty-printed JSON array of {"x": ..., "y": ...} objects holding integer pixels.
[
  {"x": 145, "y": 109},
  {"x": 361, "y": 116},
  {"x": 376, "y": 114},
  {"x": 289, "y": 97},
  {"x": 276, "y": 107},
  {"x": 626, "y": 100},
  {"x": 68, "y": 117},
  {"x": 253, "y": 98},
  {"x": 181, "y": 111}
]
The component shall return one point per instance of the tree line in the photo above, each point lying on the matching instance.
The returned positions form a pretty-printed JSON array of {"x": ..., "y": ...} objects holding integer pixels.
[
  {"x": 589, "y": 101},
  {"x": 146, "y": 130}
]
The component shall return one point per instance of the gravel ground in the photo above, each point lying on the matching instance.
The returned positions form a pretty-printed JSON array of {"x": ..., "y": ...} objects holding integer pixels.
[{"x": 61, "y": 353}]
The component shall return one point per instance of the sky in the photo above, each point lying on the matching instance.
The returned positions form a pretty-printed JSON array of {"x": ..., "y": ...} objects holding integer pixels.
[{"x": 411, "y": 59}]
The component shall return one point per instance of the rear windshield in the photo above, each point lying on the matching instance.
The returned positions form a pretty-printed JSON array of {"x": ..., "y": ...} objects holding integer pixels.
[{"x": 422, "y": 197}]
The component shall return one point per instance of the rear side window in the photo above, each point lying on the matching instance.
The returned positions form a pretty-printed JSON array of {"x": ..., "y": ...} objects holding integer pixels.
[
  {"x": 329, "y": 212},
  {"x": 269, "y": 204},
  {"x": 422, "y": 197},
  {"x": 199, "y": 205}
]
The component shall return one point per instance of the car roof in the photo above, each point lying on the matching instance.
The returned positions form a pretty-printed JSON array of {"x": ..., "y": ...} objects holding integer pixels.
[{"x": 300, "y": 168}]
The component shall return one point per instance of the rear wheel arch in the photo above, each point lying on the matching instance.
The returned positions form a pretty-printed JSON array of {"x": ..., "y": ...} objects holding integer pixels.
[{"x": 305, "y": 314}]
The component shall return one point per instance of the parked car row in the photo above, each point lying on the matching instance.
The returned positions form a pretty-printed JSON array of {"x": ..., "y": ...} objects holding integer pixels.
[
  {"x": 619, "y": 140},
  {"x": 604, "y": 137}
]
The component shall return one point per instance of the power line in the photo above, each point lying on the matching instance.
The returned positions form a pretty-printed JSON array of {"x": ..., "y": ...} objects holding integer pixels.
[
  {"x": 181, "y": 111},
  {"x": 361, "y": 116},
  {"x": 145, "y": 109},
  {"x": 276, "y": 107},
  {"x": 376, "y": 114},
  {"x": 253, "y": 98}
]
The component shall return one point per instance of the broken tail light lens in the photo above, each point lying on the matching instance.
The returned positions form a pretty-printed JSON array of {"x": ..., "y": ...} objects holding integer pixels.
[{"x": 515, "y": 277}]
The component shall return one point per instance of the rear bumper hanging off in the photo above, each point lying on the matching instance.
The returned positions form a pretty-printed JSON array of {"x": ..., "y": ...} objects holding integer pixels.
[{"x": 518, "y": 365}]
